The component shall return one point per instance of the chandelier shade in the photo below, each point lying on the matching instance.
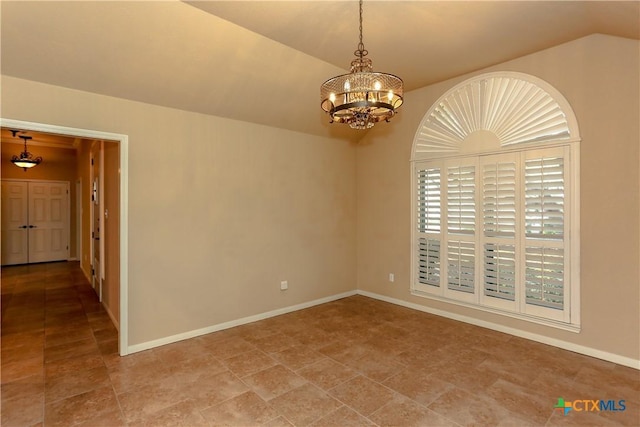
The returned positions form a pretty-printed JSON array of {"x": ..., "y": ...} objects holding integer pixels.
[
  {"x": 25, "y": 160},
  {"x": 363, "y": 97}
]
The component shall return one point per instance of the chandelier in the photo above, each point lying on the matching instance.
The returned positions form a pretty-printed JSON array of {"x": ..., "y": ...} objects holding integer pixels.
[
  {"x": 363, "y": 97},
  {"x": 26, "y": 159}
]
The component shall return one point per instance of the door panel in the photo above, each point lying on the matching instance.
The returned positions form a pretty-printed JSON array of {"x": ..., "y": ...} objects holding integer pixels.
[
  {"x": 48, "y": 225},
  {"x": 37, "y": 245},
  {"x": 57, "y": 240},
  {"x": 37, "y": 208},
  {"x": 14, "y": 223},
  {"x": 56, "y": 210}
]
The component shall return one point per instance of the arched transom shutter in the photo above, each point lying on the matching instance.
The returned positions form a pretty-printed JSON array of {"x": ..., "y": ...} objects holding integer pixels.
[{"x": 515, "y": 108}]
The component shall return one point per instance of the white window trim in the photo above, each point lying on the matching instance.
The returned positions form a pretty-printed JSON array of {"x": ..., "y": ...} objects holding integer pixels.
[{"x": 445, "y": 147}]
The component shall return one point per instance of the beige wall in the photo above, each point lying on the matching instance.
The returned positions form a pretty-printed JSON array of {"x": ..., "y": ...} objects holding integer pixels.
[
  {"x": 220, "y": 211},
  {"x": 59, "y": 164},
  {"x": 599, "y": 77}
]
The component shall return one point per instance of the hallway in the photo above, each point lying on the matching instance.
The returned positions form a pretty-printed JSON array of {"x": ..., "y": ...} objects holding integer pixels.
[{"x": 56, "y": 341}]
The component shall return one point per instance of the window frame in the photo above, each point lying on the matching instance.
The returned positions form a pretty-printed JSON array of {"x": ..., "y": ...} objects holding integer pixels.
[{"x": 467, "y": 147}]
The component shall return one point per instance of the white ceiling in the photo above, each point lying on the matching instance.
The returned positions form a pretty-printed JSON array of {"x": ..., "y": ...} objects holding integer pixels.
[{"x": 264, "y": 61}]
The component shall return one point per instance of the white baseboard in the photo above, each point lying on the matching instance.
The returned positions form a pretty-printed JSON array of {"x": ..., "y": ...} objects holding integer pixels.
[
  {"x": 226, "y": 325},
  {"x": 588, "y": 351}
]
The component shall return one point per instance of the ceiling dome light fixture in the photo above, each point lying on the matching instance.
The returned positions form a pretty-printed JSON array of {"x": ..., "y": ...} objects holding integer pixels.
[
  {"x": 363, "y": 97},
  {"x": 26, "y": 159}
]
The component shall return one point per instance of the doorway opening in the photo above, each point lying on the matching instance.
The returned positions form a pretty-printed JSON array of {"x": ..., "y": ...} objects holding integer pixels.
[{"x": 113, "y": 149}]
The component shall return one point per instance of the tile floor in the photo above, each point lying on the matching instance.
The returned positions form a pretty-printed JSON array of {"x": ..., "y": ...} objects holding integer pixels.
[{"x": 352, "y": 362}]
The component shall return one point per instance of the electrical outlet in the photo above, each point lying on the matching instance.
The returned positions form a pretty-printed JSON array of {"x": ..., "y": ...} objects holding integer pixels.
[
  {"x": 392, "y": 277},
  {"x": 284, "y": 285}
]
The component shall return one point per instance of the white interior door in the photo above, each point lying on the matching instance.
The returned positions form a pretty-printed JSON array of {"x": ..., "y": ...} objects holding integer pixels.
[
  {"x": 96, "y": 204},
  {"x": 48, "y": 221},
  {"x": 95, "y": 233},
  {"x": 35, "y": 221},
  {"x": 15, "y": 220}
]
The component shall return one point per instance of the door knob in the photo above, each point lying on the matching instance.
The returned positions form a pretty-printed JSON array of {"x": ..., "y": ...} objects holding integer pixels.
[
  {"x": 33, "y": 226},
  {"x": 23, "y": 226}
]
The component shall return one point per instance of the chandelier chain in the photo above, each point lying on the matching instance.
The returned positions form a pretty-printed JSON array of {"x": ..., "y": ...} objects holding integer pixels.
[{"x": 361, "y": 52}]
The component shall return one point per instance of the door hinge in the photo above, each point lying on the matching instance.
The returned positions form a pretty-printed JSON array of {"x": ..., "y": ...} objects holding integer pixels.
[
  {"x": 91, "y": 162},
  {"x": 92, "y": 235}
]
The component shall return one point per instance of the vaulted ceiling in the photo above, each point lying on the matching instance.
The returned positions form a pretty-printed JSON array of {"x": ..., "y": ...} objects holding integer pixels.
[{"x": 264, "y": 61}]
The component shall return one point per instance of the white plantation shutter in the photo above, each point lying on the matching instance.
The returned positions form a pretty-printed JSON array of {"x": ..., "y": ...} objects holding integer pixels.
[
  {"x": 544, "y": 198},
  {"x": 461, "y": 266},
  {"x": 499, "y": 210},
  {"x": 499, "y": 199},
  {"x": 545, "y": 277},
  {"x": 428, "y": 197},
  {"x": 545, "y": 266},
  {"x": 460, "y": 236},
  {"x": 429, "y": 261},
  {"x": 461, "y": 194},
  {"x": 500, "y": 271},
  {"x": 517, "y": 263},
  {"x": 428, "y": 226}
]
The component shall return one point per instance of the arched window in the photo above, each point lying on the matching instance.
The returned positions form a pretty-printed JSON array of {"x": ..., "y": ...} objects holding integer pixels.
[{"x": 495, "y": 225}]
